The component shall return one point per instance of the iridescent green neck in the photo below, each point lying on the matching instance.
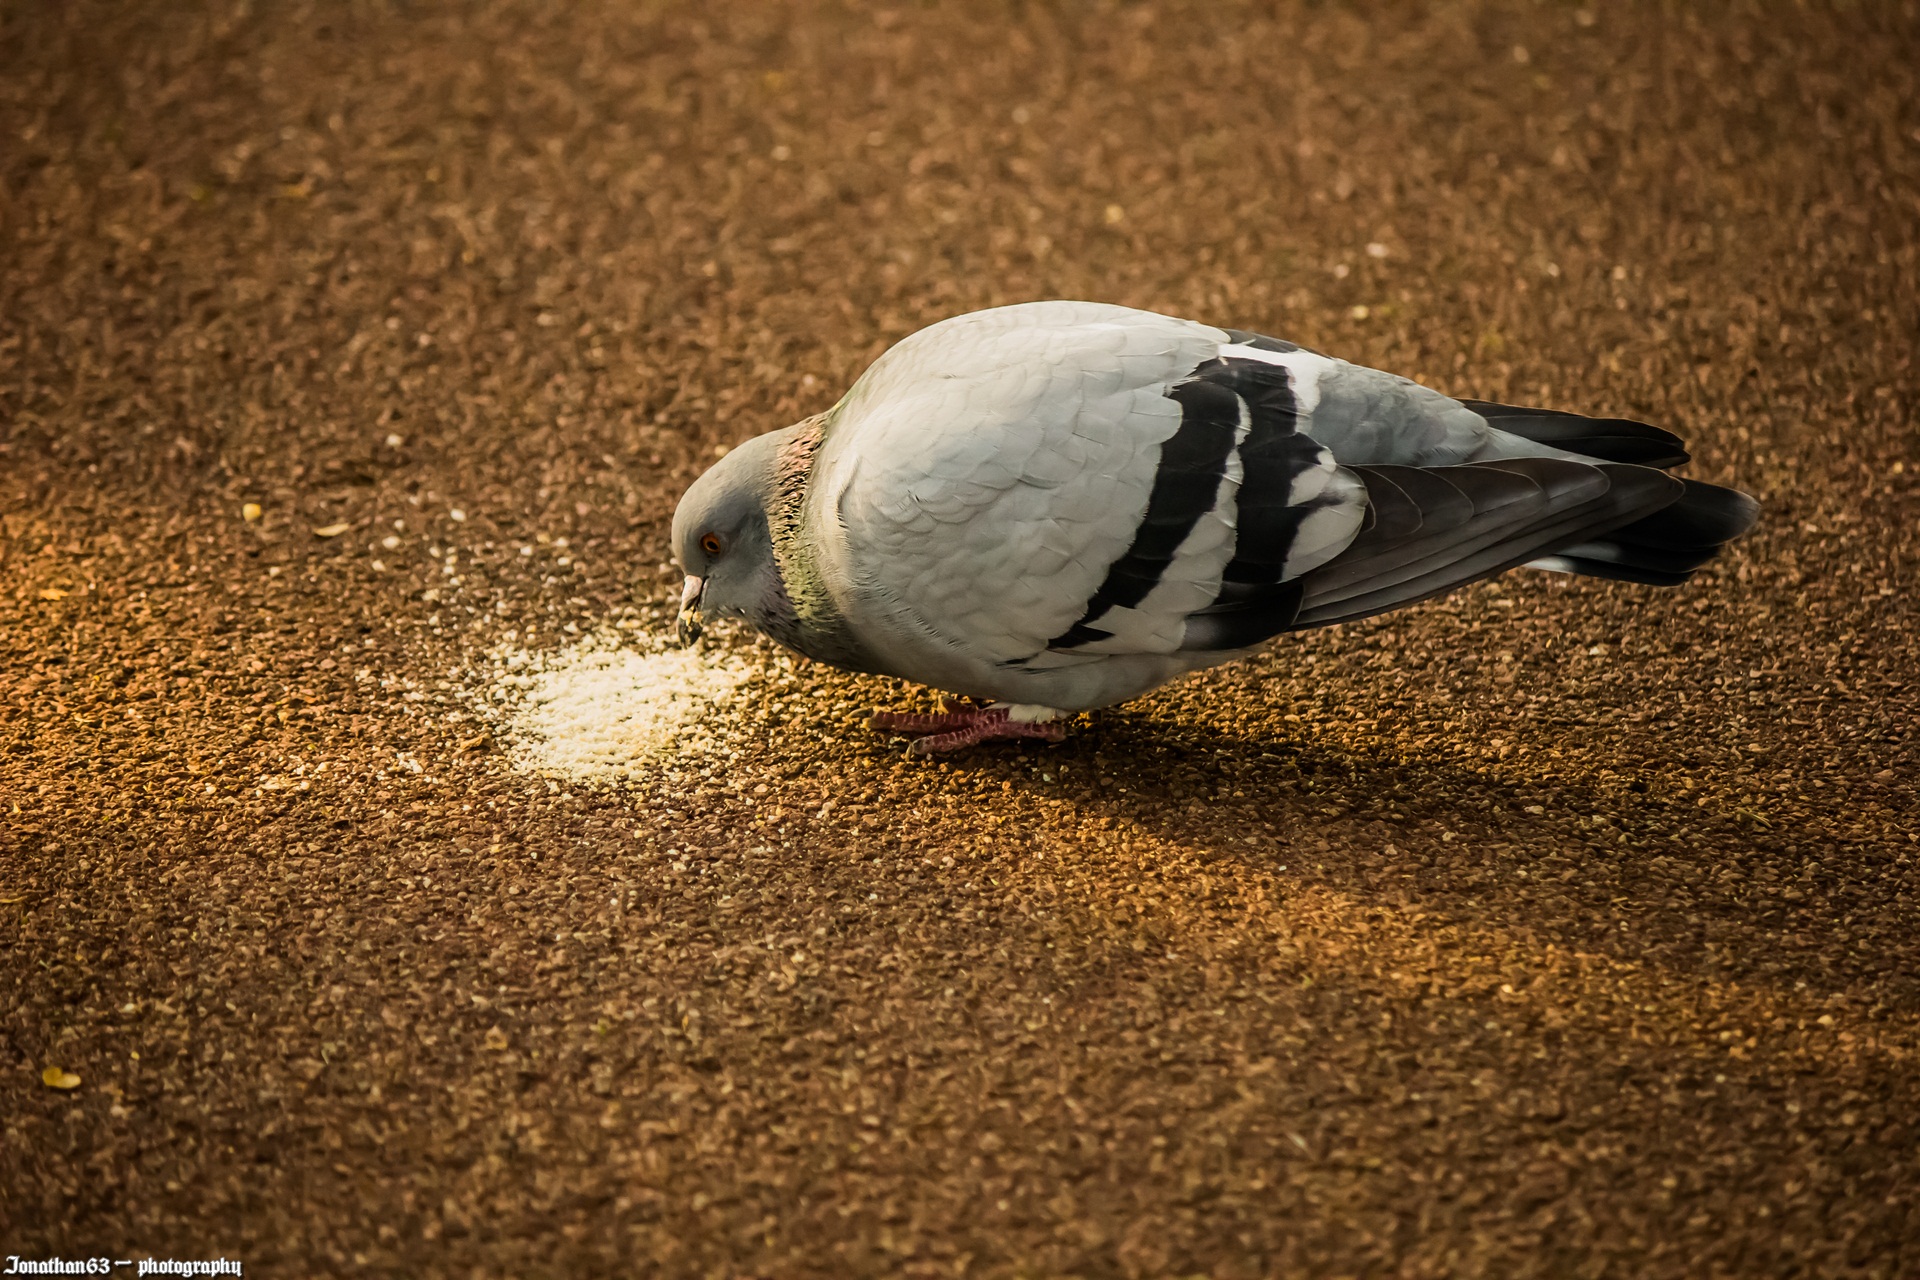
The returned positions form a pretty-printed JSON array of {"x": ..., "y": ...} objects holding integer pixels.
[{"x": 812, "y": 624}]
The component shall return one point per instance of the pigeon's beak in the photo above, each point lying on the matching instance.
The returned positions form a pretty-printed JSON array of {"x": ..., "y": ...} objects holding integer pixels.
[{"x": 689, "y": 626}]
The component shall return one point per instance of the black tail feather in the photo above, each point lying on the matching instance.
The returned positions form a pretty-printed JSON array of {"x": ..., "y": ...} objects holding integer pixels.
[
  {"x": 1706, "y": 515},
  {"x": 1607, "y": 439},
  {"x": 1663, "y": 549}
]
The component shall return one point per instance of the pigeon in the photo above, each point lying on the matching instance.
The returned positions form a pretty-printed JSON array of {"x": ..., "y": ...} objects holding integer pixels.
[{"x": 1054, "y": 507}]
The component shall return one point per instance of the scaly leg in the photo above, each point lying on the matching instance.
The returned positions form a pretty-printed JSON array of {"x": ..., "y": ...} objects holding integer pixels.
[{"x": 961, "y": 725}]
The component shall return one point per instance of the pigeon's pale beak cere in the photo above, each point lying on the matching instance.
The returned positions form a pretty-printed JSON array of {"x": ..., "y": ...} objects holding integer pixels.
[{"x": 689, "y": 626}]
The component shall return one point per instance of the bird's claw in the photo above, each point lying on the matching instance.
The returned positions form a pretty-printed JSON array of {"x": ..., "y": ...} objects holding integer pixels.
[{"x": 961, "y": 725}]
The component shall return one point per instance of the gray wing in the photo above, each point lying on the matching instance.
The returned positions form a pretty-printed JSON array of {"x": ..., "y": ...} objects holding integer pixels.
[
  {"x": 1239, "y": 458},
  {"x": 1457, "y": 491},
  {"x": 1051, "y": 484},
  {"x": 1433, "y": 529}
]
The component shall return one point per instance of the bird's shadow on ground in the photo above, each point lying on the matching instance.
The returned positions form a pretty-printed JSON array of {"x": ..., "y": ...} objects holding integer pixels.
[{"x": 1630, "y": 870}]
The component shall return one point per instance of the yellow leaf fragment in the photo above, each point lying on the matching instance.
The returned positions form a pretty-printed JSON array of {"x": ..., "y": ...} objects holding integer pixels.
[
  {"x": 250, "y": 512},
  {"x": 496, "y": 1039},
  {"x": 53, "y": 593},
  {"x": 59, "y": 1078}
]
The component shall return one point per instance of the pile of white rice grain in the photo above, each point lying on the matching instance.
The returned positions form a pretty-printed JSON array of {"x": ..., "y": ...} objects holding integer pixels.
[{"x": 610, "y": 708}]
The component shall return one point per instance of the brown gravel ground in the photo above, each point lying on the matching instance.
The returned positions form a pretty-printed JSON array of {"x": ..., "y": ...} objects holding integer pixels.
[{"x": 1555, "y": 929}]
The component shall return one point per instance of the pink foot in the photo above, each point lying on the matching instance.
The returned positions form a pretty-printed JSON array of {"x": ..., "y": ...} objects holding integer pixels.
[{"x": 963, "y": 726}]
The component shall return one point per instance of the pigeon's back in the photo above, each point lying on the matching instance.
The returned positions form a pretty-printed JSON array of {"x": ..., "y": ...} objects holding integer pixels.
[{"x": 1065, "y": 503}]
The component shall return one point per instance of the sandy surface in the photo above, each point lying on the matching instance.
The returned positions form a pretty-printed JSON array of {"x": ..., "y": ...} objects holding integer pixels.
[{"x": 1554, "y": 929}]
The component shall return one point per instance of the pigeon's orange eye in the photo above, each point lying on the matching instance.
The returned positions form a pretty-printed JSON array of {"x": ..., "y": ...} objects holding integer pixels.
[{"x": 710, "y": 543}]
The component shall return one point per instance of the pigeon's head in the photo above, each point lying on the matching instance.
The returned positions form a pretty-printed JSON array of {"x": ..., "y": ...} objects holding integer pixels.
[{"x": 722, "y": 541}]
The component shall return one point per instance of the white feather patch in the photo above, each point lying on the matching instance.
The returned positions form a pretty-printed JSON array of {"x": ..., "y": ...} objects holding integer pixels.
[
  {"x": 1304, "y": 369},
  {"x": 1311, "y": 483},
  {"x": 1324, "y": 534}
]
